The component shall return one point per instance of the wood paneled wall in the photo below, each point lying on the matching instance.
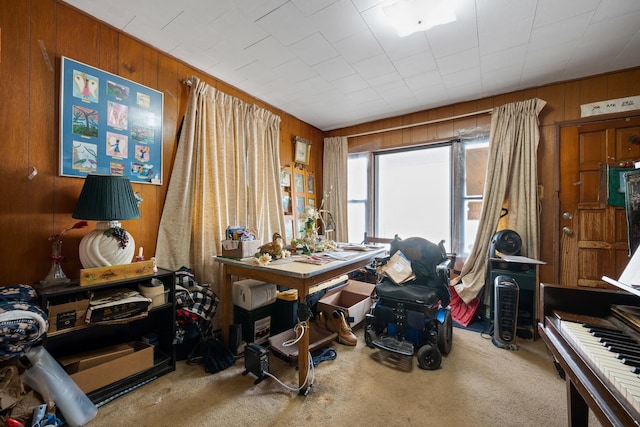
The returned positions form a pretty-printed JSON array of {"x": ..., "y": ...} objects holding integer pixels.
[
  {"x": 34, "y": 34},
  {"x": 563, "y": 105}
]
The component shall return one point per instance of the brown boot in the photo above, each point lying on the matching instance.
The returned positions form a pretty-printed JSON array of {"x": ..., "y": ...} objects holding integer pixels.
[
  {"x": 340, "y": 325},
  {"x": 323, "y": 322}
]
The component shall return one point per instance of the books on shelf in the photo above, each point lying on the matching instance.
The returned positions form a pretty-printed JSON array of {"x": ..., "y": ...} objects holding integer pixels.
[{"x": 116, "y": 305}]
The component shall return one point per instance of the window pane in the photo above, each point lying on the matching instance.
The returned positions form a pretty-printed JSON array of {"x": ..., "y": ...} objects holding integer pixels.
[
  {"x": 413, "y": 194},
  {"x": 357, "y": 214},
  {"x": 476, "y": 155},
  {"x": 470, "y": 223},
  {"x": 357, "y": 177}
]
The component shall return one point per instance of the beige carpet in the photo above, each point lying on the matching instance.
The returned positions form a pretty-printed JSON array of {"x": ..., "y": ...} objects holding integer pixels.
[{"x": 478, "y": 384}]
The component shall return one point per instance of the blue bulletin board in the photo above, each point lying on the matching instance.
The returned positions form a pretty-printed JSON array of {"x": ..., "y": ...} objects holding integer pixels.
[{"x": 109, "y": 125}]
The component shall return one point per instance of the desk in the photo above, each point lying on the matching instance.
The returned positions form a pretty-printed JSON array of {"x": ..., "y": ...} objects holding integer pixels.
[{"x": 296, "y": 275}]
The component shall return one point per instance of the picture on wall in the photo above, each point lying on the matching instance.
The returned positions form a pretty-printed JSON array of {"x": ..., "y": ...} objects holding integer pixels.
[{"x": 109, "y": 125}]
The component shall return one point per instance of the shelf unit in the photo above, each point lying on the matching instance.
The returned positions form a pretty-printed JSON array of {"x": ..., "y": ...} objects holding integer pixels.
[
  {"x": 160, "y": 319},
  {"x": 298, "y": 188}
]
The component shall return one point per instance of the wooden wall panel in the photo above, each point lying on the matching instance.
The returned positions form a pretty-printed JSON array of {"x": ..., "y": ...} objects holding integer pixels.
[
  {"x": 32, "y": 210},
  {"x": 14, "y": 110}
]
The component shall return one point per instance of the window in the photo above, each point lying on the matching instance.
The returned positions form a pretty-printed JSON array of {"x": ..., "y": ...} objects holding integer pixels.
[{"x": 432, "y": 191}]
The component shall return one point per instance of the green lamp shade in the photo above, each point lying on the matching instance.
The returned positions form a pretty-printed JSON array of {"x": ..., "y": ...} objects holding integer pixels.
[{"x": 106, "y": 198}]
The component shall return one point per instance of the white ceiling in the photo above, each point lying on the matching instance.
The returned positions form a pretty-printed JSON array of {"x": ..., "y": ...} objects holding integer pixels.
[{"x": 334, "y": 63}]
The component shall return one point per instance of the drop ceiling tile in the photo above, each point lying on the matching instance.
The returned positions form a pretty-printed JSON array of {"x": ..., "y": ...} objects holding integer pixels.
[
  {"x": 358, "y": 47},
  {"x": 295, "y": 71},
  {"x": 270, "y": 52},
  {"x": 510, "y": 57},
  {"x": 613, "y": 8},
  {"x": 559, "y": 32},
  {"x": 239, "y": 31},
  {"x": 338, "y": 21},
  {"x": 374, "y": 66},
  {"x": 308, "y": 8},
  {"x": 313, "y": 49},
  {"x": 458, "y": 62},
  {"x": 425, "y": 80},
  {"x": 554, "y": 11},
  {"x": 287, "y": 24},
  {"x": 350, "y": 83},
  {"x": 334, "y": 68},
  {"x": 465, "y": 77},
  {"x": 416, "y": 64},
  {"x": 503, "y": 24}
]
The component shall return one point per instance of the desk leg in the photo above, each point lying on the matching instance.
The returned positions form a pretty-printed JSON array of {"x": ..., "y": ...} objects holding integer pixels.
[
  {"x": 303, "y": 351},
  {"x": 225, "y": 303}
]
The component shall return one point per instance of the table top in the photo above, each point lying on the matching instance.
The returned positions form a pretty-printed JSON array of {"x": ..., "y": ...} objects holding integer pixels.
[{"x": 290, "y": 267}]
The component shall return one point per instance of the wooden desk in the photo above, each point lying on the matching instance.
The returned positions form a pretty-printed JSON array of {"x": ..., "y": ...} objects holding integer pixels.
[{"x": 296, "y": 275}]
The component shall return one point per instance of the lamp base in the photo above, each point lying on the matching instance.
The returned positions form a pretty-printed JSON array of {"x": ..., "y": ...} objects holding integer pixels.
[{"x": 109, "y": 244}]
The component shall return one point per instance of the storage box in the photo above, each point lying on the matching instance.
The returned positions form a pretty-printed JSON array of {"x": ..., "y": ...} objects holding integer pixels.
[
  {"x": 85, "y": 360},
  {"x": 118, "y": 368},
  {"x": 251, "y": 294},
  {"x": 67, "y": 315},
  {"x": 285, "y": 309},
  {"x": 240, "y": 248},
  {"x": 256, "y": 324},
  {"x": 354, "y": 298}
]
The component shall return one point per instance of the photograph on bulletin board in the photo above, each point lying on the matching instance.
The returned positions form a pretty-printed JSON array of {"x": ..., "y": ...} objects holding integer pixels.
[{"x": 109, "y": 125}]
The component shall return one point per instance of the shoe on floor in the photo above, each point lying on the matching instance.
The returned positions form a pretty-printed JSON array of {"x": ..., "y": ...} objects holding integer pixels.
[{"x": 340, "y": 325}]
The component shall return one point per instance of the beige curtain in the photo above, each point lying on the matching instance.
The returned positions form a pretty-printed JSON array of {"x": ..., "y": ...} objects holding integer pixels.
[
  {"x": 511, "y": 182},
  {"x": 226, "y": 172},
  {"x": 334, "y": 184}
]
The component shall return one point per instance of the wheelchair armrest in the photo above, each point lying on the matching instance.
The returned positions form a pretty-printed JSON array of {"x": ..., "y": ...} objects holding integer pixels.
[{"x": 443, "y": 269}]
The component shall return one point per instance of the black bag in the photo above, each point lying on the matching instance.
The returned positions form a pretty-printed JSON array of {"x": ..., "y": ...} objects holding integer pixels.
[{"x": 213, "y": 354}]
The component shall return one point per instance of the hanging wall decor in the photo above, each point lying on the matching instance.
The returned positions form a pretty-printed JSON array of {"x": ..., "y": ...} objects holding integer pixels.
[
  {"x": 109, "y": 125},
  {"x": 302, "y": 150}
]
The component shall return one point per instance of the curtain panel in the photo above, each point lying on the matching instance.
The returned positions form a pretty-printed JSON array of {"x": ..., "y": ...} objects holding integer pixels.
[
  {"x": 334, "y": 184},
  {"x": 511, "y": 182},
  {"x": 226, "y": 172}
]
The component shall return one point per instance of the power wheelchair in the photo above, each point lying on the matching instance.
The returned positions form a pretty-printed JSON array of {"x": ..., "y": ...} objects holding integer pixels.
[{"x": 414, "y": 315}]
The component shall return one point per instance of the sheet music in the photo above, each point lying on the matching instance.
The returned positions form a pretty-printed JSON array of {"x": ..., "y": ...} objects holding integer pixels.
[
  {"x": 521, "y": 259},
  {"x": 631, "y": 274}
]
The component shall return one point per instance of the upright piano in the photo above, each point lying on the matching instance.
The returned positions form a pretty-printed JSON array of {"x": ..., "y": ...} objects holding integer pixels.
[{"x": 595, "y": 340}]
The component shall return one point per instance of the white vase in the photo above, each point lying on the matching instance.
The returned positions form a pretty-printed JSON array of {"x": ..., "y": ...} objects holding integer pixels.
[{"x": 100, "y": 248}]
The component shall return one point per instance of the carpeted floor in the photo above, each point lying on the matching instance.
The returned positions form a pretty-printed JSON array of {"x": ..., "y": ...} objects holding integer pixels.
[{"x": 478, "y": 384}]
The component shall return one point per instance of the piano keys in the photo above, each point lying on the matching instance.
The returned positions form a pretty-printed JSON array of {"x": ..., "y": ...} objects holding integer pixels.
[
  {"x": 596, "y": 379},
  {"x": 606, "y": 358}
]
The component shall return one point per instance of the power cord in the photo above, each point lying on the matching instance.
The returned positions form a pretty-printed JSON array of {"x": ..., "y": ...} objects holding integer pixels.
[{"x": 300, "y": 329}]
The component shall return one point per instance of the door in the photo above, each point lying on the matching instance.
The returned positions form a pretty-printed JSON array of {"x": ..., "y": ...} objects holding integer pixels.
[{"x": 593, "y": 232}]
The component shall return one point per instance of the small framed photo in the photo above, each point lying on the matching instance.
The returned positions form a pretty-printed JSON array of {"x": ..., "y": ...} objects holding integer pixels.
[
  {"x": 299, "y": 205},
  {"x": 302, "y": 150},
  {"x": 285, "y": 177},
  {"x": 311, "y": 202},
  {"x": 298, "y": 182},
  {"x": 311, "y": 184}
]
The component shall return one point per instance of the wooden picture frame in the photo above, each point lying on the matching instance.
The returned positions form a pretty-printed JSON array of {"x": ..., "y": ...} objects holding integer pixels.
[
  {"x": 302, "y": 150},
  {"x": 109, "y": 125}
]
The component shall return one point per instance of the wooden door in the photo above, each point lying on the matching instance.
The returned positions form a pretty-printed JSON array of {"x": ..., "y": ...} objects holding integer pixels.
[{"x": 593, "y": 233}]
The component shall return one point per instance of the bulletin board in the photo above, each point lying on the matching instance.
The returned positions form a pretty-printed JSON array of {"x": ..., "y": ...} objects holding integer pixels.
[{"x": 109, "y": 125}]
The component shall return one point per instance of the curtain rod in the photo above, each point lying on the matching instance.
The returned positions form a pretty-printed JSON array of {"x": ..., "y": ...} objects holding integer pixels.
[
  {"x": 187, "y": 82},
  {"x": 461, "y": 116}
]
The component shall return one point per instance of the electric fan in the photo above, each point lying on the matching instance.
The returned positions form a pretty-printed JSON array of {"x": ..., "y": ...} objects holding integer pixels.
[{"x": 506, "y": 242}]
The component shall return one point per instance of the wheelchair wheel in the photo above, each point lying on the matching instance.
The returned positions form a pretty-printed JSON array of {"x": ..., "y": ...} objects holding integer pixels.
[
  {"x": 369, "y": 336},
  {"x": 429, "y": 357},
  {"x": 445, "y": 334}
]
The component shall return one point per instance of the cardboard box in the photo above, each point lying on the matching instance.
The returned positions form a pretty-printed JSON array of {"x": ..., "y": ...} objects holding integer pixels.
[
  {"x": 240, "y": 248},
  {"x": 67, "y": 315},
  {"x": 81, "y": 361},
  {"x": 103, "y": 374},
  {"x": 354, "y": 298}
]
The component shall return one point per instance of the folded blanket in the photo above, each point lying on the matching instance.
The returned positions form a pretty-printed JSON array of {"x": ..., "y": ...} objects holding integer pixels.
[{"x": 22, "y": 322}]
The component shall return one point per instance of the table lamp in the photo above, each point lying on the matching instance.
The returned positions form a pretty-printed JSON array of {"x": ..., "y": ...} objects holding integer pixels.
[{"x": 107, "y": 199}]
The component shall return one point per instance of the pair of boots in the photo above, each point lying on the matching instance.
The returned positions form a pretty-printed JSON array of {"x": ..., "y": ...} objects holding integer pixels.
[{"x": 337, "y": 323}]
